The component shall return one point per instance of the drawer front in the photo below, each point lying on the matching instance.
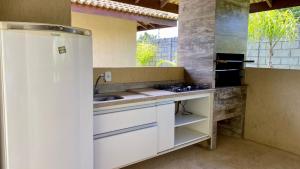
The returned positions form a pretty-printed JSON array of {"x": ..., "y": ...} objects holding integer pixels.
[
  {"x": 124, "y": 149},
  {"x": 124, "y": 119}
]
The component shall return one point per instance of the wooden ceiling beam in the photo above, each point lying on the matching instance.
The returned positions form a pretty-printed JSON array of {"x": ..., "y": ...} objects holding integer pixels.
[
  {"x": 154, "y": 4},
  {"x": 152, "y": 25},
  {"x": 269, "y": 2},
  {"x": 163, "y": 3},
  {"x": 141, "y": 24},
  {"x": 140, "y": 28},
  {"x": 276, "y": 4}
]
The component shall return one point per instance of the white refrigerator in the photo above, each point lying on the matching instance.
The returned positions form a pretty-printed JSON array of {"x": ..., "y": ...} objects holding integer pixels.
[{"x": 46, "y": 97}]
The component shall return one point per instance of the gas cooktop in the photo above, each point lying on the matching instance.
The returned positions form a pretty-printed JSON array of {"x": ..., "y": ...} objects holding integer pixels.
[{"x": 182, "y": 87}]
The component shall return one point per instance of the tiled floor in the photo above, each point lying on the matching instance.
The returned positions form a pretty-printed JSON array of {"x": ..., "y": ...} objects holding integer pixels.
[{"x": 231, "y": 153}]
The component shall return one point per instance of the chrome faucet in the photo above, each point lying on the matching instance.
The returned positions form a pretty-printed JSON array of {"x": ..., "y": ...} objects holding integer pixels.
[{"x": 101, "y": 76}]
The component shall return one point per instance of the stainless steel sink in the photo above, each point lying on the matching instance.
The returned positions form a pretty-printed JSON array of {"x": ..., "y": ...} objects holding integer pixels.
[{"x": 103, "y": 98}]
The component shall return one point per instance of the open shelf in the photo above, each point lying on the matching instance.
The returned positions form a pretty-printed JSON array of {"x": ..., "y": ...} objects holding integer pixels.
[
  {"x": 181, "y": 120},
  {"x": 184, "y": 136}
]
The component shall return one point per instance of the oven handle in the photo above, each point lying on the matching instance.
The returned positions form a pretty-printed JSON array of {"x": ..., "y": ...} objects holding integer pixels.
[
  {"x": 234, "y": 61},
  {"x": 227, "y": 70}
]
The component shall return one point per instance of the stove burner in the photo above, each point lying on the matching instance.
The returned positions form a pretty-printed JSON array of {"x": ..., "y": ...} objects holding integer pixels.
[{"x": 182, "y": 87}]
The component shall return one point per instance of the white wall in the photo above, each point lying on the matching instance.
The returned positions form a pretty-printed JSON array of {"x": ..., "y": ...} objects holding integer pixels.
[{"x": 114, "y": 40}]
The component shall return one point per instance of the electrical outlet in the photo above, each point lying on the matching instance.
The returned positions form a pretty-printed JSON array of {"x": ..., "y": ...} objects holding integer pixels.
[{"x": 108, "y": 76}]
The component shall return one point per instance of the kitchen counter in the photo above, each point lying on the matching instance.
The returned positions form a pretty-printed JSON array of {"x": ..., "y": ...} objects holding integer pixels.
[
  {"x": 146, "y": 94},
  {"x": 144, "y": 124}
]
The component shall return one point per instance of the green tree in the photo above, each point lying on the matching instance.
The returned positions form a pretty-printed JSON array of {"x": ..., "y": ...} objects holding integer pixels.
[
  {"x": 273, "y": 26},
  {"x": 163, "y": 62},
  {"x": 147, "y": 38},
  {"x": 145, "y": 53},
  {"x": 171, "y": 63},
  {"x": 296, "y": 12}
]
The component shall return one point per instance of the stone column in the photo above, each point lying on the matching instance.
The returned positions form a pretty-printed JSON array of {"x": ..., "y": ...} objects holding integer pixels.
[
  {"x": 196, "y": 39},
  {"x": 41, "y": 11}
]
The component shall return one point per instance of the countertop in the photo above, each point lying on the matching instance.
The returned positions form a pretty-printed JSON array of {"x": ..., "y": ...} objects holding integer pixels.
[{"x": 146, "y": 94}]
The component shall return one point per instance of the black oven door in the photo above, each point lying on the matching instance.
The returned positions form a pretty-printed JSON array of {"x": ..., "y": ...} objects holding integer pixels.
[{"x": 228, "y": 77}]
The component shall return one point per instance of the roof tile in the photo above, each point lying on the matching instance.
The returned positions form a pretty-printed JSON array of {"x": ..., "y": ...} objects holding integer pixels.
[{"x": 123, "y": 7}]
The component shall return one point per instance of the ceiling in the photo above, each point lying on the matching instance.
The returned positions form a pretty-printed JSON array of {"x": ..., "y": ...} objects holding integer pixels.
[
  {"x": 172, "y": 5},
  {"x": 251, "y": 1}
]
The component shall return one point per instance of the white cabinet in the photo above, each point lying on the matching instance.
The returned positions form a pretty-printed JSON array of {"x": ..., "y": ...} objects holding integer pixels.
[
  {"x": 166, "y": 123},
  {"x": 193, "y": 120},
  {"x": 123, "y": 119},
  {"x": 123, "y": 149},
  {"x": 124, "y": 135},
  {"x": 128, "y": 134}
]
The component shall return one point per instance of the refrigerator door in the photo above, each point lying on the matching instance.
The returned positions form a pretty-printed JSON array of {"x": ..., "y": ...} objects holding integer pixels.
[{"x": 47, "y": 98}]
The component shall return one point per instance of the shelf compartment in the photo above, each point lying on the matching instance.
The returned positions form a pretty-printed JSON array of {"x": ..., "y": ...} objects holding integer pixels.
[
  {"x": 184, "y": 136},
  {"x": 182, "y": 120}
]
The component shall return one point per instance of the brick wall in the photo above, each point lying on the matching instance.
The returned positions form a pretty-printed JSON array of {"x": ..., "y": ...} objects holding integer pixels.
[
  {"x": 286, "y": 54},
  {"x": 167, "y": 49}
]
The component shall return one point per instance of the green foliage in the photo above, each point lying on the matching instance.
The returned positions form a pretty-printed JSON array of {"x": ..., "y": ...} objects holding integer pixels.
[
  {"x": 296, "y": 12},
  {"x": 166, "y": 62},
  {"x": 147, "y": 49},
  {"x": 145, "y": 53},
  {"x": 273, "y": 26},
  {"x": 147, "y": 38}
]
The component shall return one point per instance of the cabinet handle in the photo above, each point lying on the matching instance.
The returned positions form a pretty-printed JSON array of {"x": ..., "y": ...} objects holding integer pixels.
[
  {"x": 122, "y": 131},
  {"x": 116, "y": 110}
]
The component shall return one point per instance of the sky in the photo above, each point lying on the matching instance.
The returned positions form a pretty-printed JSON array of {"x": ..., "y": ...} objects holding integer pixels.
[{"x": 162, "y": 33}]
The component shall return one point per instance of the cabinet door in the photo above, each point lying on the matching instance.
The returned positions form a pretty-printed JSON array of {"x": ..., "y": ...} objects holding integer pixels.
[{"x": 166, "y": 124}]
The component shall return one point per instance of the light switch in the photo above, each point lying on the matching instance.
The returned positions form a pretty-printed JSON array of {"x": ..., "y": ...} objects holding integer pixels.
[{"x": 108, "y": 76}]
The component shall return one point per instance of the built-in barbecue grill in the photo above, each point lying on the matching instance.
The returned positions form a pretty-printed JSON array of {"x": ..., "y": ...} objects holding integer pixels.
[{"x": 230, "y": 69}]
